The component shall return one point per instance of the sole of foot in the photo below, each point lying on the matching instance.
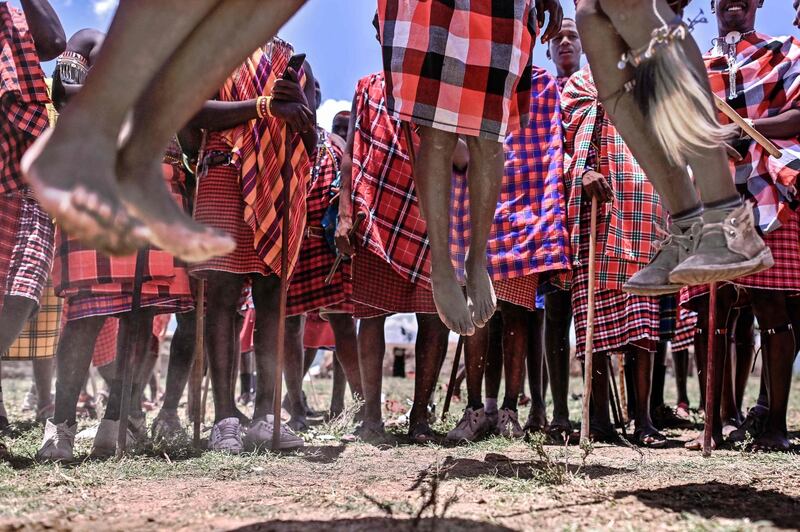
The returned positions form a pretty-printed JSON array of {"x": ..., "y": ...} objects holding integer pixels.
[
  {"x": 481, "y": 299},
  {"x": 451, "y": 306},
  {"x": 96, "y": 219}
]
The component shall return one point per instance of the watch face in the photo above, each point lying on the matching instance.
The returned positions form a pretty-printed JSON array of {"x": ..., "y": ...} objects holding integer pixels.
[{"x": 733, "y": 37}]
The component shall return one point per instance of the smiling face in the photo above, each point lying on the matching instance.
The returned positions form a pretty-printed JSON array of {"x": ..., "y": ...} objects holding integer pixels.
[
  {"x": 565, "y": 49},
  {"x": 736, "y": 15}
]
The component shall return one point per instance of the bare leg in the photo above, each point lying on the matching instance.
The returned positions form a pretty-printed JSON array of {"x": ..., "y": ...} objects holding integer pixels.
[
  {"x": 186, "y": 81},
  {"x": 73, "y": 358},
  {"x": 484, "y": 176},
  {"x": 601, "y": 428},
  {"x": 73, "y": 174},
  {"x": 344, "y": 332},
  {"x": 338, "y": 389},
  {"x": 475, "y": 354},
  {"x": 266, "y": 294},
  {"x": 537, "y": 418},
  {"x": 431, "y": 348},
  {"x": 43, "y": 377},
  {"x": 779, "y": 350},
  {"x": 181, "y": 357},
  {"x": 646, "y": 434},
  {"x": 433, "y": 175},
  {"x": 558, "y": 315},
  {"x": 222, "y": 292},
  {"x": 371, "y": 349},
  {"x": 745, "y": 354},
  {"x": 515, "y": 351},
  {"x": 15, "y": 313},
  {"x": 130, "y": 324},
  {"x": 294, "y": 371},
  {"x": 493, "y": 372}
]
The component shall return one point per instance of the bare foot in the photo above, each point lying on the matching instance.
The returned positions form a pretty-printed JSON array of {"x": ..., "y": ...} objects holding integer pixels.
[
  {"x": 772, "y": 441},
  {"x": 697, "y": 443},
  {"x": 76, "y": 184},
  {"x": 450, "y": 304},
  {"x": 145, "y": 194},
  {"x": 481, "y": 299}
]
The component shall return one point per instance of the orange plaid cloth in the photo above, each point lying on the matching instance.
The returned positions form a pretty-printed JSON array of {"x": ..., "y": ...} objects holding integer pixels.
[
  {"x": 39, "y": 338},
  {"x": 258, "y": 149}
]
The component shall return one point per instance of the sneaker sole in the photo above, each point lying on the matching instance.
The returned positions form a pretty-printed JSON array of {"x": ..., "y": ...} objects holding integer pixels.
[
  {"x": 716, "y": 273},
  {"x": 651, "y": 290}
]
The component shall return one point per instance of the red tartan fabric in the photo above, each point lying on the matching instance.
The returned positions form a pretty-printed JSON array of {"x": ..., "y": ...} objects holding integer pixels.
[
  {"x": 258, "y": 148},
  {"x": 685, "y": 329},
  {"x": 520, "y": 291},
  {"x": 627, "y": 227},
  {"x": 23, "y": 95},
  {"x": 767, "y": 84},
  {"x": 383, "y": 187},
  {"x": 105, "y": 346},
  {"x": 307, "y": 290},
  {"x": 26, "y": 247},
  {"x": 219, "y": 204},
  {"x": 529, "y": 231},
  {"x": 459, "y": 65},
  {"x": 378, "y": 290},
  {"x": 97, "y": 285},
  {"x": 318, "y": 333}
]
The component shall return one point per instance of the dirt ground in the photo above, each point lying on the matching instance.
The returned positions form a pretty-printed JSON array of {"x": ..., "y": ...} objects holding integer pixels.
[{"x": 495, "y": 484}]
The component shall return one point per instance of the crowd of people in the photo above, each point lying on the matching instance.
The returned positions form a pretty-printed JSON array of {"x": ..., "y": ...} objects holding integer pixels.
[{"x": 461, "y": 192}]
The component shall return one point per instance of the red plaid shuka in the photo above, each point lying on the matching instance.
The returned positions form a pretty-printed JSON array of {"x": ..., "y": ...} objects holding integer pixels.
[
  {"x": 97, "y": 285},
  {"x": 258, "y": 148},
  {"x": 529, "y": 233},
  {"x": 308, "y": 291},
  {"x": 767, "y": 84},
  {"x": 627, "y": 227},
  {"x": 383, "y": 186},
  {"x": 23, "y": 95},
  {"x": 459, "y": 65}
]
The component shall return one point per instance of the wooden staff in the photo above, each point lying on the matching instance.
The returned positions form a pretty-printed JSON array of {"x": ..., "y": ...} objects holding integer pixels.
[
  {"x": 616, "y": 407},
  {"x": 749, "y": 130},
  {"x": 453, "y": 376},
  {"x": 196, "y": 377},
  {"x": 623, "y": 390},
  {"x": 710, "y": 369},
  {"x": 287, "y": 172},
  {"x": 588, "y": 355},
  {"x": 339, "y": 256},
  {"x": 127, "y": 358}
]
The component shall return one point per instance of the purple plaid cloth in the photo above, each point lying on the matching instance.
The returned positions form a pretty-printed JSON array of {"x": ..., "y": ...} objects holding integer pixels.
[{"x": 529, "y": 234}]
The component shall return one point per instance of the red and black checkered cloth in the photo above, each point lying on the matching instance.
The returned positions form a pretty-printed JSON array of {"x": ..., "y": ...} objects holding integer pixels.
[
  {"x": 685, "y": 330},
  {"x": 383, "y": 186},
  {"x": 26, "y": 247},
  {"x": 307, "y": 290},
  {"x": 23, "y": 95},
  {"x": 529, "y": 231},
  {"x": 378, "y": 290},
  {"x": 628, "y": 226},
  {"x": 98, "y": 285},
  {"x": 459, "y": 65},
  {"x": 767, "y": 84}
]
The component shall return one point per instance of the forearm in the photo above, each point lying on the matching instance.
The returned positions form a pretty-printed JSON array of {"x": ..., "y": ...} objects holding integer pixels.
[
  {"x": 346, "y": 188},
  {"x": 219, "y": 116},
  {"x": 783, "y": 126},
  {"x": 45, "y": 27}
]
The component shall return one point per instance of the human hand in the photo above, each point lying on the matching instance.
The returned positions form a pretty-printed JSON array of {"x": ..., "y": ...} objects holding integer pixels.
[
  {"x": 342, "y": 236},
  {"x": 595, "y": 185},
  {"x": 553, "y": 7}
]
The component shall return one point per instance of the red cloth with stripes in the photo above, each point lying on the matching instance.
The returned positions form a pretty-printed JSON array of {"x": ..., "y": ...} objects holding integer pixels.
[
  {"x": 685, "y": 330},
  {"x": 258, "y": 149},
  {"x": 384, "y": 189},
  {"x": 462, "y": 65},
  {"x": 219, "y": 204},
  {"x": 318, "y": 333},
  {"x": 98, "y": 285},
  {"x": 105, "y": 346},
  {"x": 26, "y": 247},
  {"x": 378, "y": 290},
  {"x": 23, "y": 95},
  {"x": 308, "y": 291}
]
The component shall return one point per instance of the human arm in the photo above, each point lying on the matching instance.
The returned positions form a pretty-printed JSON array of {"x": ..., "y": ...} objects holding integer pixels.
[
  {"x": 345, "y": 224},
  {"x": 45, "y": 27}
]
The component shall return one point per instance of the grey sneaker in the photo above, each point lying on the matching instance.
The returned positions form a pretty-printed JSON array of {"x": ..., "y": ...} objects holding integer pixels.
[
  {"x": 508, "y": 424},
  {"x": 105, "y": 440},
  {"x": 226, "y": 436},
  {"x": 260, "y": 435},
  {"x": 167, "y": 427},
  {"x": 473, "y": 425},
  {"x": 727, "y": 247},
  {"x": 58, "y": 443},
  {"x": 654, "y": 279}
]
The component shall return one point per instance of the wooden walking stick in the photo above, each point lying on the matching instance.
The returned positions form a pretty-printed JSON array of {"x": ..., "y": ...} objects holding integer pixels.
[
  {"x": 126, "y": 363},
  {"x": 196, "y": 377},
  {"x": 710, "y": 369},
  {"x": 340, "y": 257},
  {"x": 748, "y": 130},
  {"x": 616, "y": 407},
  {"x": 623, "y": 388},
  {"x": 588, "y": 350},
  {"x": 286, "y": 177},
  {"x": 453, "y": 376}
]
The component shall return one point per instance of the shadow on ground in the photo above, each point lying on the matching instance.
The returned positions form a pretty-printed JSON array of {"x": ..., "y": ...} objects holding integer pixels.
[
  {"x": 374, "y": 523},
  {"x": 500, "y": 465},
  {"x": 727, "y": 501}
]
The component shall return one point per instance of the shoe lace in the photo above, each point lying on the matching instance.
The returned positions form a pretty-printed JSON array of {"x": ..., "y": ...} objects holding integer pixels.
[
  {"x": 685, "y": 240},
  {"x": 228, "y": 431}
]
